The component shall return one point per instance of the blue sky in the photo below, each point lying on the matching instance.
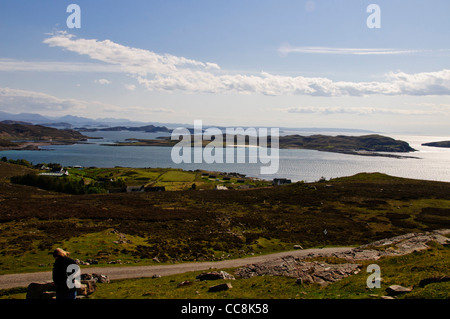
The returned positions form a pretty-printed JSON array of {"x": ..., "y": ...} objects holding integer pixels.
[{"x": 256, "y": 63}]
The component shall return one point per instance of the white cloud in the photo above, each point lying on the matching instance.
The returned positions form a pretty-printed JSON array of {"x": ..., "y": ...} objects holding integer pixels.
[
  {"x": 130, "y": 87},
  {"x": 168, "y": 72},
  {"x": 18, "y": 101},
  {"x": 359, "y": 111},
  {"x": 11, "y": 65},
  {"x": 15, "y": 100},
  {"x": 103, "y": 81},
  {"x": 287, "y": 49}
]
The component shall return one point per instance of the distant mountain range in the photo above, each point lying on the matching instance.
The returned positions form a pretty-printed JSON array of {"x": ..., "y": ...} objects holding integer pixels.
[{"x": 82, "y": 123}]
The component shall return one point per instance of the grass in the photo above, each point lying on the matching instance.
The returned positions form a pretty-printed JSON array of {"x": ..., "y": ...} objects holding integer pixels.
[
  {"x": 180, "y": 226},
  {"x": 211, "y": 225},
  {"x": 405, "y": 270}
]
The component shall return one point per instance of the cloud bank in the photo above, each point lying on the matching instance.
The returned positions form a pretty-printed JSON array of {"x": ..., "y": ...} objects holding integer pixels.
[
  {"x": 170, "y": 73},
  {"x": 360, "y": 111},
  {"x": 287, "y": 49}
]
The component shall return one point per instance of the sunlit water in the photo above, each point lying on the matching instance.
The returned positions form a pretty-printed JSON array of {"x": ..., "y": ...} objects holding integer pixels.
[{"x": 306, "y": 165}]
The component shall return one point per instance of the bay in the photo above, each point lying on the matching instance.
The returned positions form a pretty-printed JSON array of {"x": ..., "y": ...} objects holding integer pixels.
[{"x": 306, "y": 165}]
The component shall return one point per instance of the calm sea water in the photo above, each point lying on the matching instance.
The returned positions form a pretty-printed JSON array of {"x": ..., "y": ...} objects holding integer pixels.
[{"x": 306, "y": 165}]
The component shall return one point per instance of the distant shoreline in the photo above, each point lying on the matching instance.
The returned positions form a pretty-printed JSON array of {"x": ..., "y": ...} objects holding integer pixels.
[{"x": 368, "y": 145}]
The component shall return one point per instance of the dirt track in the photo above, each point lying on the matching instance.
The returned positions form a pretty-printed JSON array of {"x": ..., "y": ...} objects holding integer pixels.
[{"x": 23, "y": 280}]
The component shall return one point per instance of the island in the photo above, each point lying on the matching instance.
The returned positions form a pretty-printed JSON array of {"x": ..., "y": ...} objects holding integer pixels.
[
  {"x": 445, "y": 144},
  {"x": 366, "y": 145},
  {"x": 146, "y": 128},
  {"x": 26, "y": 136}
]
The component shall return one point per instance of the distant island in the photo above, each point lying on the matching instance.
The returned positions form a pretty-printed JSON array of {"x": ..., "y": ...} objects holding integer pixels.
[
  {"x": 146, "y": 128},
  {"x": 366, "y": 145},
  {"x": 445, "y": 144},
  {"x": 25, "y": 136}
]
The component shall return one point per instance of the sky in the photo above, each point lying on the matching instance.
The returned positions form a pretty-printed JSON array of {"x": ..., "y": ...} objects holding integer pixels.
[{"x": 283, "y": 63}]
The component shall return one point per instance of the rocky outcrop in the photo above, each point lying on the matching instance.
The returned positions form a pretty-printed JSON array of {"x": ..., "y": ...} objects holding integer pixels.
[
  {"x": 46, "y": 290},
  {"x": 395, "y": 246},
  {"x": 215, "y": 275},
  {"x": 323, "y": 273},
  {"x": 305, "y": 272}
]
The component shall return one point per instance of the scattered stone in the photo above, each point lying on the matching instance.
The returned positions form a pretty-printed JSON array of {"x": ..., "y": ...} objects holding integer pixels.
[
  {"x": 323, "y": 274},
  {"x": 387, "y": 297},
  {"x": 215, "y": 275},
  {"x": 395, "y": 290},
  {"x": 221, "y": 287},
  {"x": 298, "y": 247},
  {"x": 145, "y": 294},
  {"x": 36, "y": 290},
  {"x": 47, "y": 290},
  {"x": 102, "y": 279},
  {"x": 184, "y": 283},
  {"x": 432, "y": 280},
  {"x": 156, "y": 276},
  {"x": 308, "y": 272}
]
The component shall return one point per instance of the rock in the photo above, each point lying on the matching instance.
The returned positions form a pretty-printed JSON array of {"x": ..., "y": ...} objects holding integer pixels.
[
  {"x": 215, "y": 275},
  {"x": 298, "y": 247},
  {"x": 87, "y": 288},
  {"x": 47, "y": 290},
  {"x": 395, "y": 290},
  {"x": 36, "y": 290},
  {"x": 155, "y": 259},
  {"x": 221, "y": 287},
  {"x": 321, "y": 273},
  {"x": 184, "y": 283},
  {"x": 85, "y": 277},
  {"x": 432, "y": 280},
  {"x": 309, "y": 272},
  {"x": 102, "y": 279}
]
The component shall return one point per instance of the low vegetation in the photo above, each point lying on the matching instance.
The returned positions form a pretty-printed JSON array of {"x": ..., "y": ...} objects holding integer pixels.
[
  {"x": 194, "y": 225},
  {"x": 406, "y": 270}
]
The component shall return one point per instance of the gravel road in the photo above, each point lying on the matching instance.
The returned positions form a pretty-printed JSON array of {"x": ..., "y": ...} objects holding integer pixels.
[{"x": 23, "y": 280}]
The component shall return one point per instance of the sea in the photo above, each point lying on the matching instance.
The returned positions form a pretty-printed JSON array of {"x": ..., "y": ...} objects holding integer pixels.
[{"x": 431, "y": 163}]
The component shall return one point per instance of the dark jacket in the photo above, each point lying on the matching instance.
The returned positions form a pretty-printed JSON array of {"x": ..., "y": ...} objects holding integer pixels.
[{"x": 60, "y": 274}]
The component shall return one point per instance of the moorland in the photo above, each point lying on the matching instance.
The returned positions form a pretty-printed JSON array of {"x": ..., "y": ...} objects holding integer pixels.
[{"x": 198, "y": 225}]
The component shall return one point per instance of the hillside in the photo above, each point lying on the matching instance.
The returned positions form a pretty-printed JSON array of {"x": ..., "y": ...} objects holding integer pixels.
[
  {"x": 28, "y": 134},
  {"x": 194, "y": 225},
  {"x": 341, "y": 143}
]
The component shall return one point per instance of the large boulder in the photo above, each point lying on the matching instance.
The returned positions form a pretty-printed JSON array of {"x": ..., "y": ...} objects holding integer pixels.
[
  {"x": 47, "y": 290},
  {"x": 215, "y": 275},
  {"x": 395, "y": 290},
  {"x": 41, "y": 290},
  {"x": 220, "y": 287}
]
